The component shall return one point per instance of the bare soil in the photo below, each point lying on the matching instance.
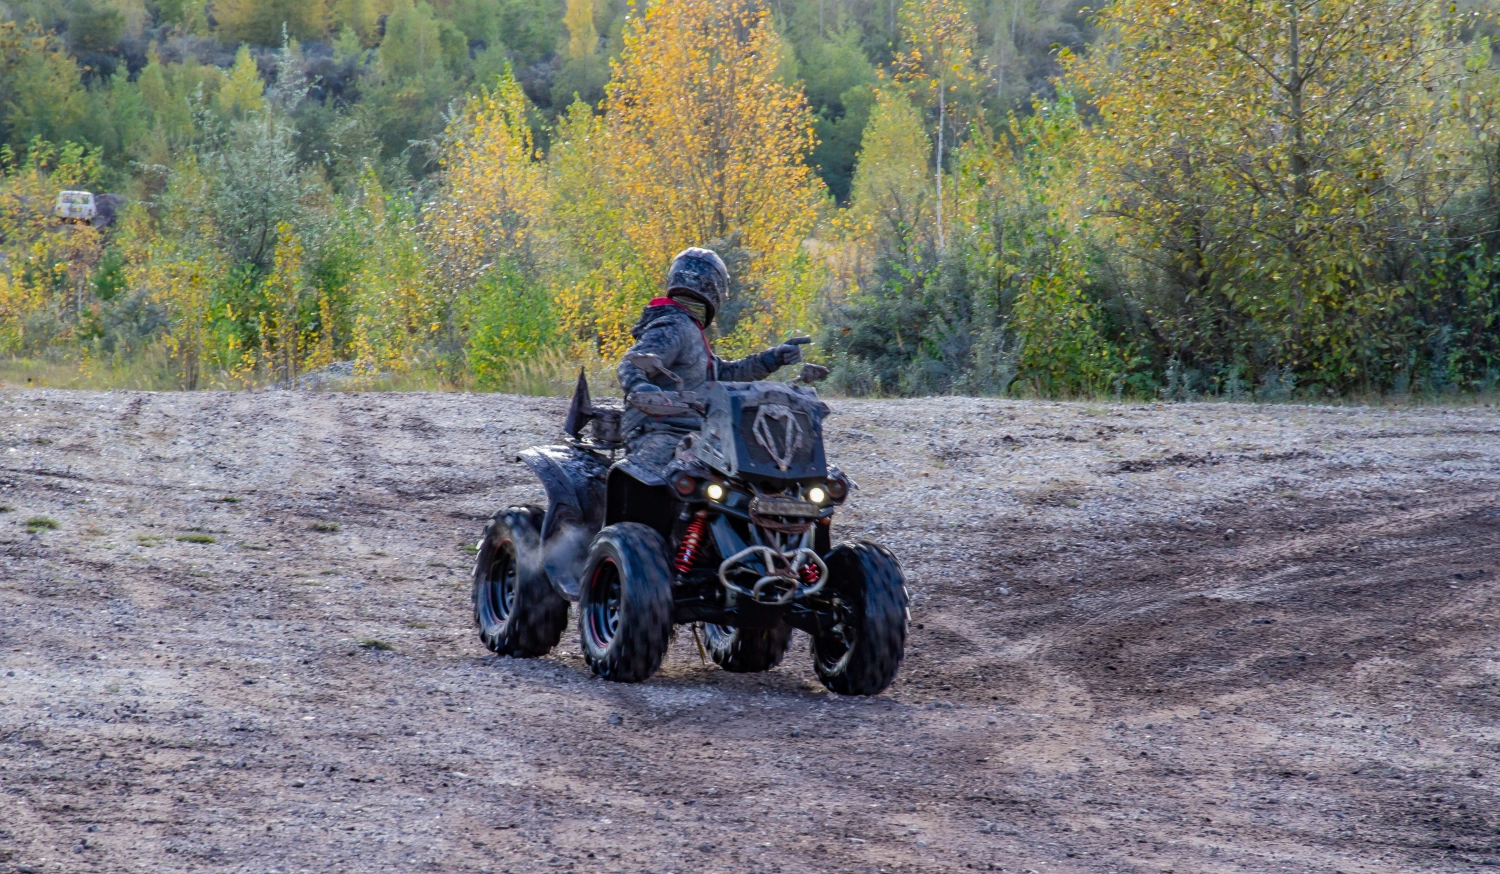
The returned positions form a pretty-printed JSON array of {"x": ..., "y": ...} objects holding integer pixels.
[{"x": 1192, "y": 638}]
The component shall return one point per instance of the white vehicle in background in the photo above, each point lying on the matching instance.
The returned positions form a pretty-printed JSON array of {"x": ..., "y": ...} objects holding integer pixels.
[
  {"x": 84, "y": 206},
  {"x": 76, "y": 206}
]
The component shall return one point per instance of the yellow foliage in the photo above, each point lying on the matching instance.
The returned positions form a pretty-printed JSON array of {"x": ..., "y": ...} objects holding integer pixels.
[
  {"x": 361, "y": 16},
  {"x": 270, "y": 22},
  {"x": 47, "y": 263},
  {"x": 280, "y": 331},
  {"x": 703, "y": 141},
  {"x": 599, "y": 286},
  {"x": 395, "y": 312},
  {"x": 242, "y": 90},
  {"x": 892, "y": 195},
  {"x": 493, "y": 189},
  {"x": 178, "y": 264},
  {"x": 583, "y": 37}
]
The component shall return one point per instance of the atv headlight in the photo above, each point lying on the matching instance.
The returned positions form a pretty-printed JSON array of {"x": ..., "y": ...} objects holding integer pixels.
[
  {"x": 684, "y": 484},
  {"x": 817, "y": 494},
  {"x": 715, "y": 492}
]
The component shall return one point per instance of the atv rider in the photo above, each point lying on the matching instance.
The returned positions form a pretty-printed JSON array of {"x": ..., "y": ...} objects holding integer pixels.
[{"x": 672, "y": 329}]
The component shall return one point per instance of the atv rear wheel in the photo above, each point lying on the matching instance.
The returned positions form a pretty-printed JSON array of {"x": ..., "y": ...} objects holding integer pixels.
[
  {"x": 515, "y": 608},
  {"x": 747, "y": 650},
  {"x": 861, "y": 653},
  {"x": 625, "y": 610}
]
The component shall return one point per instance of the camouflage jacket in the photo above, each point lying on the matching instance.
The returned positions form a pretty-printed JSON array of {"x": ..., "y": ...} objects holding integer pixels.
[{"x": 668, "y": 332}]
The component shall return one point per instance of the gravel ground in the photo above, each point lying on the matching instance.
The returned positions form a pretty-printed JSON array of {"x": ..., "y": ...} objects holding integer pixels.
[{"x": 1191, "y": 638}]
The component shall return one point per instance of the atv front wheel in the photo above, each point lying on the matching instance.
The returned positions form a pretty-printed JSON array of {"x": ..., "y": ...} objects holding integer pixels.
[
  {"x": 516, "y": 609},
  {"x": 747, "y": 650},
  {"x": 625, "y": 611},
  {"x": 861, "y": 652}
]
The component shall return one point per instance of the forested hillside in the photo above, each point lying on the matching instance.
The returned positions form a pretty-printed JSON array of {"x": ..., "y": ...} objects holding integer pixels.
[{"x": 1149, "y": 198}]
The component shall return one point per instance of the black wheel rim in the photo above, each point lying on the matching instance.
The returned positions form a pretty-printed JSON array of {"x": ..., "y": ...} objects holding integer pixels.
[
  {"x": 502, "y": 581},
  {"x": 716, "y": 636},
  {"x": 602, "y": 619}
]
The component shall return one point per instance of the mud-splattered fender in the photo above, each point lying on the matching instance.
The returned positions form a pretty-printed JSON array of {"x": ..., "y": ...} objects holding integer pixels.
[{"x": 574, "y": 481}]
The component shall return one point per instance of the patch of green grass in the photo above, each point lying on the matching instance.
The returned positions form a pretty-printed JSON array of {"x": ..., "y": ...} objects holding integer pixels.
[
  {"x": 41, "y": 523},
  {"x": 226, "y": 499},
  {"x": 197, "y": 537},
  {"x": 419, "y": 624},
  {"x": 325, "y": 527},
  {"x": 254, "y": 547},
  {"x": 152, "y": 371},
  {"x": 376, "y": 645},
  {"x": 148, "y": 539},
  {"x": 6, "y": 508},
  {"x": 470, "y": 548}
]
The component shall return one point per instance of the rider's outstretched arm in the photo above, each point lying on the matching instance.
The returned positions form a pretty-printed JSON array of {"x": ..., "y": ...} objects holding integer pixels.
[
  {"x": 750, "y": 368},
  {"x": 761, "y": 364}
]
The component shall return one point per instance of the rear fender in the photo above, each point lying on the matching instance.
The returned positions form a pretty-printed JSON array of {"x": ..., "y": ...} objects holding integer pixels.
[{"x": 574, "y": 481}]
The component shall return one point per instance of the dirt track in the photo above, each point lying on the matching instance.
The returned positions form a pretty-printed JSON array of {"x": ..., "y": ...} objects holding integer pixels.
[{"x": 1197, "y": 638}]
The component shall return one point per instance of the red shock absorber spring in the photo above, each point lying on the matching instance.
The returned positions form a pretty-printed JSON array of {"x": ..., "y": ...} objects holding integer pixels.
[
  {"x": 810, "y": 574},
  {"x": 692, "y": 539}
]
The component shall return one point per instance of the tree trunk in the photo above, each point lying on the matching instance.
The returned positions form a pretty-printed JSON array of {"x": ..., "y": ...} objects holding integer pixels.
[
  {"x": 1295, "y": 87},
  {"x": 942, "y": 123},
  {"x": 1299, "y": 163}
]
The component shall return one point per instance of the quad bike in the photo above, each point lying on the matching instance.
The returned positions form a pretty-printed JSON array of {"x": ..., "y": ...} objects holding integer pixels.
[{"x": 733, "y": 537}]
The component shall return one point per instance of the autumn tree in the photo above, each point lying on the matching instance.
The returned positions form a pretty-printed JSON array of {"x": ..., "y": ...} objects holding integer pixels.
[
  {"x": 583, "y": 36},
  {"x": 413, "y": 42},
  {"x": 707, "y": 143},
  {"x": 940, "y": 60},
  {"x": 396, "y": 314},
  {"x": 875, "y": 317},
  {"x": 281, "y": 326},
  {"x": 890, "y": 194},
  {"x": 243, "y": 91},
  {"x": 270, "y": 22},
  {"x": 41, "y": 87},
  {"x": 491, "y": 196},
  {"x": 1265, "y": 162},
  {"x": 481, "y": 227},
  {"x": 585, "y": 71},
  {"x": 177, "y": 262}
]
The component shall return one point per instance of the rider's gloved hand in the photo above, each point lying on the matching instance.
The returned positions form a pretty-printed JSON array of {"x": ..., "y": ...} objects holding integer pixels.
[{"x": 790, "y": 352}]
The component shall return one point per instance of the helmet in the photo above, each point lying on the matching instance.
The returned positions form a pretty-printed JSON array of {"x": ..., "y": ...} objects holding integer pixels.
[{"x": 701, "y": 273}]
